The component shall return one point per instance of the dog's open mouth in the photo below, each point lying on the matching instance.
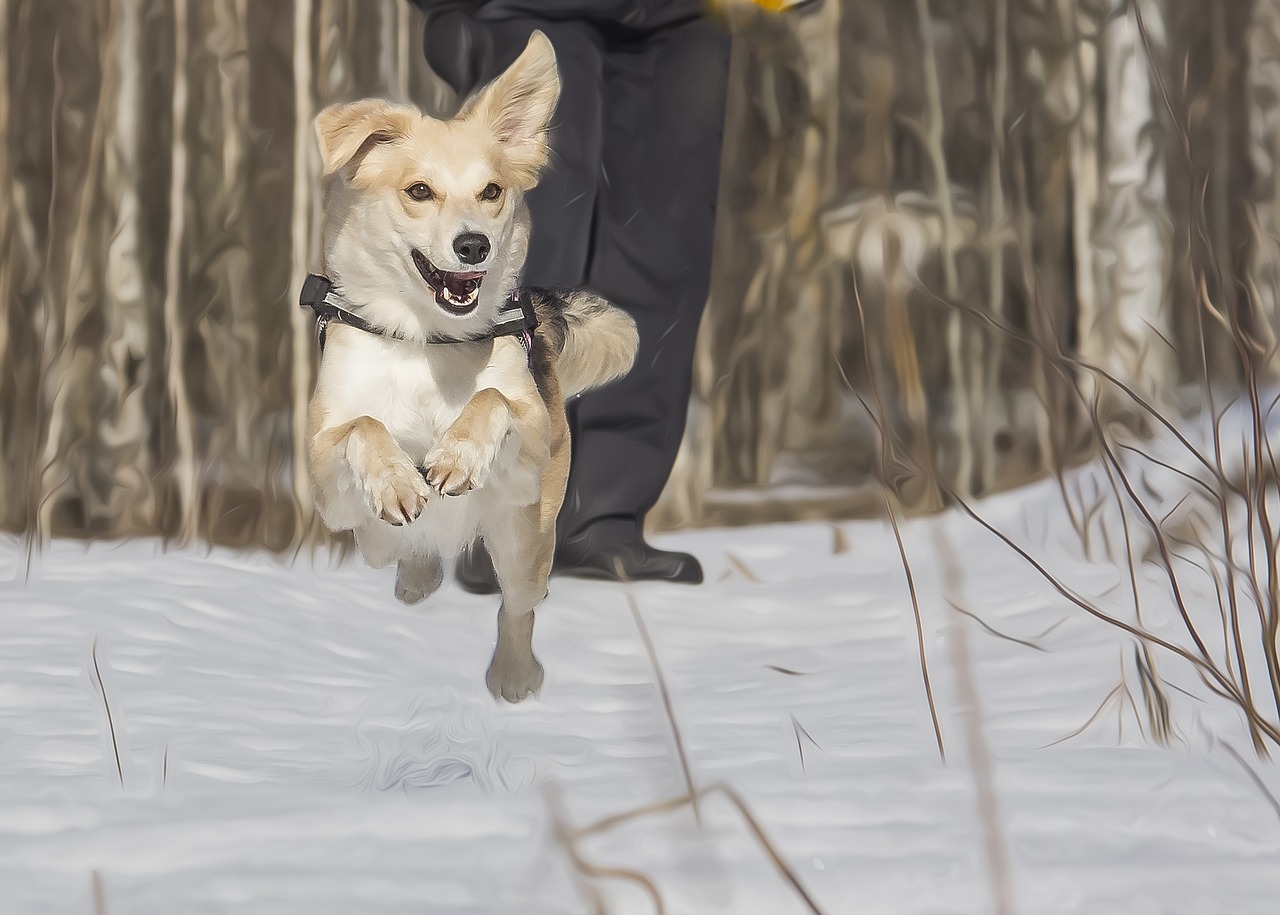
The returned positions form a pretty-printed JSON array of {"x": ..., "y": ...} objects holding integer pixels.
[{"x": 456, "y": 292}]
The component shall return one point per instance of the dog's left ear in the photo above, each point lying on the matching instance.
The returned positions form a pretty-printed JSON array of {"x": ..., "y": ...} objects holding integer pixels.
[
  {"x": 517, "y": 106},
  {"x": 346, "y": 132}
]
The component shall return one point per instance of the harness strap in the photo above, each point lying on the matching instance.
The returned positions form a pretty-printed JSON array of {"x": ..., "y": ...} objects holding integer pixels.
[{"x": 517, "y": 317}]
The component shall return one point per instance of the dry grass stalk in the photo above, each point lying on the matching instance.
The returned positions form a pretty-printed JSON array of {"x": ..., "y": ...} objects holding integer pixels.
[
  {"x": 1254, "y": 777},
  {"x": 1221, "y": 681},
  {"x": 685, "y": 770},
  {"x": 892, "y": 508},
  {"x": 753, "y": 824},
  {"x": 587, "y": 872},
  {"x": 106, "y": 704},
  {"x": 741, "y": 568},
  {"x": 976, "y": 746}
]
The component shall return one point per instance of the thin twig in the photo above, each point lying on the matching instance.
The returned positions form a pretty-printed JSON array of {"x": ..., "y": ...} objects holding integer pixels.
[
  {"x": 102, "y": 688},
  {"x": 666, "y": 704},
  {"x": 768, "y": 846},
  {"x": 741, "y": 568},
  {"x": 799, "y": 730},
  {"x": 997, "y": 633},
  {"x": 1257, "y": 779},
  {"x": 879, "y": 418}
]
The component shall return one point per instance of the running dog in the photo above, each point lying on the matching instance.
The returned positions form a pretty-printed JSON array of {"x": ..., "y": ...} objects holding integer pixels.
[{"x": 439, "y": 407}]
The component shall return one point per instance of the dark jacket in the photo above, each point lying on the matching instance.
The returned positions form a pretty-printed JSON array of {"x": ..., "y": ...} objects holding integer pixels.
[
  {"x": 637, "y": 14},
  {"x": 460, "y": 48}
]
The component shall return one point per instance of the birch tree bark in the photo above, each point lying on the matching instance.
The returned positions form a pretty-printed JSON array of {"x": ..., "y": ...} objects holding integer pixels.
[
  {"x": 63, "y": 475},
  {"x": 126, "y": 459},
  {"x": 7, "y": 219},
  {"x": 1128, "y": 333},
  {"x": 231, "y": 328},
  {"x": 300, "y": 240},
  {"x": 1263, "y": 75},
  {"x": 185, "y": 471},
  {"x": 933, "y": 130}
]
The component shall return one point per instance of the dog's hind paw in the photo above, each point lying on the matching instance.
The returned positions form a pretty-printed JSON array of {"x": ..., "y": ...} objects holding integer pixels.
[
  {"x": 459, "y": 465},
  {"x": 418, "y": 578},
  {"x": 513, "y": 677}
]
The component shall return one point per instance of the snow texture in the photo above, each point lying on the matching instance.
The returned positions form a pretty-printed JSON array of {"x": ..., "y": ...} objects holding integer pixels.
[{"x": 293, "y": 740}]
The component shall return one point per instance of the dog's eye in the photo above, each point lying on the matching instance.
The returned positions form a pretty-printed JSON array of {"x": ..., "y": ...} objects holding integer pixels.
[
  {"x": 419, "y": 191},
  {"x": 491, "y": 192}
]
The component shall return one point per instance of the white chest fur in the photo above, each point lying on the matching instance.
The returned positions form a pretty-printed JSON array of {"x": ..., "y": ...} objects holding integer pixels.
[{"x": 418, "y": 392}]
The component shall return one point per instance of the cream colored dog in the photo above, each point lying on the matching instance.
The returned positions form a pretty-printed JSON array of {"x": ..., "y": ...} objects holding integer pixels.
[{"x": 418, "y": 445}]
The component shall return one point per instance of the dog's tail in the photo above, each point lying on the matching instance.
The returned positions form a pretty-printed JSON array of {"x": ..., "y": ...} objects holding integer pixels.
[{"x": 599, "y": 344}]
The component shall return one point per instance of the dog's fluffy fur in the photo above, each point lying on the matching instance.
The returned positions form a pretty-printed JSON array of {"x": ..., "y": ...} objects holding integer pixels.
[{"x": 486, "y": 425}]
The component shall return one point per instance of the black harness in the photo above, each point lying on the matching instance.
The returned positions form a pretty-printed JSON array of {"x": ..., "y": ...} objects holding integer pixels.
[{"x": 515, "y": 319}]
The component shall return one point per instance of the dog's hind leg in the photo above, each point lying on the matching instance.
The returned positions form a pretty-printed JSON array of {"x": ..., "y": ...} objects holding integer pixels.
[
  {"x": 521, "y": 549},
  {"x": 418, "y": 577}
]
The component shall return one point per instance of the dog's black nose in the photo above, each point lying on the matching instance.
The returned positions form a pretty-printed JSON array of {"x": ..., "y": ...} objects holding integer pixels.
[{"x": 471, "y": 247}]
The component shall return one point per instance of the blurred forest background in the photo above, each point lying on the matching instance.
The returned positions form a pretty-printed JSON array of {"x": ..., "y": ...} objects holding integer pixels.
[{"x": 951, "y": 218}]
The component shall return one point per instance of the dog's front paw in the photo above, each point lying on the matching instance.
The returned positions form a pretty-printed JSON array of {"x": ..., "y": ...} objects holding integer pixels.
[
  {"x": 513, "y": 674},
  {"x": 397, "y": 492},
  {"x": 459, "y": 465}
]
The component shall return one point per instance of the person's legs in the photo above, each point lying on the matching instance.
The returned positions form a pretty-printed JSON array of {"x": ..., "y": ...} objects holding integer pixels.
[
  {"x": 663, "y": 127},
  {"x": 562, "y": 205},
  {"x": 637, "y": 228}
]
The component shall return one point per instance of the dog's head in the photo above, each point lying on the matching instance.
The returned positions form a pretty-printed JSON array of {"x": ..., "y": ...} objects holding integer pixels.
[{"x": 421, "y": 212}]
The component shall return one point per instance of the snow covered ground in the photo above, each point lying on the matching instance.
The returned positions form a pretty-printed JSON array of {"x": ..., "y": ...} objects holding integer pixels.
[{"x": 293, "y": 740}]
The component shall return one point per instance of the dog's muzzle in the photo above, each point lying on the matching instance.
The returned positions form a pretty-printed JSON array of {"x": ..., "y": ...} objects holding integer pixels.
[{"x": 456, "y": 292}]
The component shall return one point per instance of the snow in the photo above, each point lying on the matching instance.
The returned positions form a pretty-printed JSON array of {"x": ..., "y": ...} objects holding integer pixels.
[{"x": 293, "y": 740}]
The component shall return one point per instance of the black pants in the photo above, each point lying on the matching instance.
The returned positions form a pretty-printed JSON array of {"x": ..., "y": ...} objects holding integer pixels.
[{"x": 627, "y": 210}]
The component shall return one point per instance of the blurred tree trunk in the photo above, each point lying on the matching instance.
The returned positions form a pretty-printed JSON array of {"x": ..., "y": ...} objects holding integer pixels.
[
  {"x": 183, "y": 461},
  {"x": 1130, "y": 333},
  {"x": 63, "y": 484},
  {"x": 961, "y": 166},
  {"x": 302, "y": 230},
  {"x": 125, "y": 459},
  {"x": 1263, "y": 75},
  {"x": 7, "y": 220},
  {"x": 223, "y": 303}
]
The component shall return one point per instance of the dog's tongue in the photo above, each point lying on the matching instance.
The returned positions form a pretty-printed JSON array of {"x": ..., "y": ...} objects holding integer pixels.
[{"x": 461, "y": 285}]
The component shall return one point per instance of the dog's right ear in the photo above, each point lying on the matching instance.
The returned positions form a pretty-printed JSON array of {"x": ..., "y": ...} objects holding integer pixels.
[{"x": 347, "y": 131}]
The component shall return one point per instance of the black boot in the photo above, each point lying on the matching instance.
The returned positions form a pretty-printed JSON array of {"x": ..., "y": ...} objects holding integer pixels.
[
  {"x": 600, "y": 553},
  {"x": 615, "y": 550},
  {"x": 474, "y": 570}
]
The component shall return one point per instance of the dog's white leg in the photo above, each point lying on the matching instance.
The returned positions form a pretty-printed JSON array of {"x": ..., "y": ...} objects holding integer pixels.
[
  {"x": 521, "y": 549},
  {"x": 365, "y": 452},
  {"x": 418, "y": 577},
  {"x": 463, "y": 459}
]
